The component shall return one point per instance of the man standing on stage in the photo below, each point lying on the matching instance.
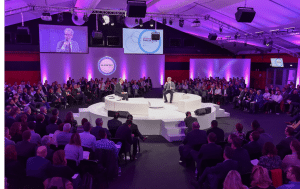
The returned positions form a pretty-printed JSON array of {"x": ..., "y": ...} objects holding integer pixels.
[
  {"x": 118, "y": 90},
  {"x": 169, "y": 88}
]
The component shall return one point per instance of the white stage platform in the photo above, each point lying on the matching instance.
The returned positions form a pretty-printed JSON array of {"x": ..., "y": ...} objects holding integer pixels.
[{"x": 166, "y": 121}]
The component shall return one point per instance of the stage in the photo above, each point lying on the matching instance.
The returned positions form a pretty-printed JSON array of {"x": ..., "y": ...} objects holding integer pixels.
[{"x": 160, "y": 118}]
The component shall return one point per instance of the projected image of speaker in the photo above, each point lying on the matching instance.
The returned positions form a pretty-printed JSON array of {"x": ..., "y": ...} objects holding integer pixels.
[
  {"x": 136, "y": 9},
  {"x": 245, "y": 14},
  {"x": 212, "y": 36},
  {"x": 155, "y": 36}
]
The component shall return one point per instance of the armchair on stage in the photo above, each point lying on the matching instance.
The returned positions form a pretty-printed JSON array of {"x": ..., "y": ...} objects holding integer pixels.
[{"x": 186, "y": 102}]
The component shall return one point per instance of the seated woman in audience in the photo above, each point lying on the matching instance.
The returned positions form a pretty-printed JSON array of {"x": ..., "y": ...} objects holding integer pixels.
[
  {"x": 15, "y": 132},
  {"x": 230, "y": 139},
  {"x": 233, "y": 181},
  {"x": 239, "y": 131},
  {"x": 260, "y": 178},
  {"x": 294, "y": 158},
  {"x": 14, "y": 170},
  {"x": 60, "y": 168},
  {"x": 74, "y": 149},
  {"x": 270, "y": 160}
]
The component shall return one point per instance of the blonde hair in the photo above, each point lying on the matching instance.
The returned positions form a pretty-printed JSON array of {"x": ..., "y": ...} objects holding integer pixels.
[
  {"x": 233, "y": 181},
  {"x": 260, "y": 176}
]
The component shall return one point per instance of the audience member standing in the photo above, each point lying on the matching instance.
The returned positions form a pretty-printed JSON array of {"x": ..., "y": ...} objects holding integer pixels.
[{"x": 215, "y": 129}]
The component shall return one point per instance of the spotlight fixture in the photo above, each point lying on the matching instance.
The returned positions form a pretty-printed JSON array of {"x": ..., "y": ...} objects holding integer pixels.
[
  {"x": 170, "y": 22},
  {"x": 136, "y": 21},
  {"x": 181, "y": 22},
  {"x": 105, "y": 19},
  {"x": 60, "y": 17},
  {"x": 221, "y": 29},
  {"x": 141, "y": 22},
  {"x": 151, "y": 23},
  {"x": 196, "y": 23},
  {"x": 85, "y": 17},
  {"x": 46, "y": 16},
  {"x": 164, "y": 21}
]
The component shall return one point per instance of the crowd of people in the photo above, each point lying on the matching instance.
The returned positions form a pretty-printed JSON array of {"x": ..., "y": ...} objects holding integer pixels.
[
  {"x": 61, "y": 95},
  {"x": 221, "y": 91},
  {"x": 43, "y": 151},
  {"x": 241, "y": 160}
]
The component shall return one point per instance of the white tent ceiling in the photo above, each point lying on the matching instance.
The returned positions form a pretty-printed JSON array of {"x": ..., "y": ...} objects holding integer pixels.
[{"x": 270, "y": 15}]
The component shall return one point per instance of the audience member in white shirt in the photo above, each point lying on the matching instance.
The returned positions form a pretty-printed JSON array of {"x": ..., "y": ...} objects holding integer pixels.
[
  {"x": 217, "y": 95},
  {"x": 87, "y": 139}
]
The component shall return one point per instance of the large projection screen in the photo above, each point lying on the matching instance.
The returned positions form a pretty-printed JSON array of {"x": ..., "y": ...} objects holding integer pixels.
[
  {"x": 59, "y": 67},
  {"x": 227, "y": 68}
]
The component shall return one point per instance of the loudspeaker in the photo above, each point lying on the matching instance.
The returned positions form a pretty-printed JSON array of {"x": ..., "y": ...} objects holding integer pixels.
[
  {"x": 155, "y": 36},
  {"x": 245, "y": 14},
  {"x": 111, "y": 113},
  {"x": 123, "y": 114},
  {"x": 97, "y": 34},
  {"x": 208, "y": 110},
  {"x": 113, "y": 41},
  {"x": 200, "y": 111},
  {"x": 136, "y": 9},
  {"x": 212, "y": 36}
]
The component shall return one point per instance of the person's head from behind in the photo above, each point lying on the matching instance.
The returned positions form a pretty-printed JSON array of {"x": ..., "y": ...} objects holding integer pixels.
[
  {"x": 15, "y": 128},
  {"x": 293, "y": 173},
  {"x": 8, "y": 109},
  {"x": 55, "y": 112},
  {"x": 10, "y": 153},
  {"x": 83, "y": 121},
  {"x": 67, "y": 127},
  {"x": 53, "y": 119},
  {"x": 236, "y": 143},
  {"x": 116, "y": 116},
  {"x": 102, "y": 134},
  {"x": 254, "y": 136},
  {"x": 231, "y": 137},
  {"x": 228, "y": 153},
  {"x": 129, "y": 123},
  {"x": 46, "y": 140},
  {"x": 295, "y": 147},
  {"x": 214, "y": 124},
  {"x": 31, "y": 125},
  {"x": 188, "y": 114},
  {"x": 41, "y": 151},
  {"x": 99, "y": 122},
  {"x": 27, "y": 110},
  {"x": 75, "y": 139},
  {"x": 212, "y": 137},
  {"x": 43, "y": 110},
  {"x": 69, "y": 116},
  {"x": 255, "y": 125},
  {"x": 23, "y": 118},
  {"x": 40, "y": 118},
  {"x": 269, "y": 149},
  {"x": 87, "y": 127},
  {"x": 14, "y": 111},
  {"x": 26, "y": 135},
  {"x": 59, "y": 158},
  {"x": 289, "y": 131},
  {"x": 260, "y": 177},
  {"x": 195, "y": 126},
  {"x": 68, "y": 34},
  {"x": 239, "y": 127},
  {"x": 130, "y": 117},
  {"x": 233, "y": 180}
]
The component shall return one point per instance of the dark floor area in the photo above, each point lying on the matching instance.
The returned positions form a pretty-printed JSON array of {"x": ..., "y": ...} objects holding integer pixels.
[{"x": 157, "y": 165}]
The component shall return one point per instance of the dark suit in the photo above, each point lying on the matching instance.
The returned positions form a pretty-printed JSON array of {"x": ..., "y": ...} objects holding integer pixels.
[
  {"x": 118, "y": 92},
  {"x": 95, "y": 132},
  {"x": 253, "y": 148},
  {"x": 135, "y": 130},
  {"x": 61, "y": 171},
  {"x": 38, "y": 167},
  {"x": 238, "y": 99},
  {"x": 189, "y": 123},
  {"x": 113, "y": 125},
  {"x": 193, "y": 138},
  {"x": 9, "y": 121},
  {"x": 124, "y": 133},
  {"x": 284, "y": 147},
  {"x": 167, "y": 89},
  {"x": 219, "y": 132},
  {"x": 241, "y": 155},
  {"x": 51, "y": 128},
  {"x": 26, "y": 149},
  {"x": 41, "y": 129},
  {"x": 216, "y": 174}
]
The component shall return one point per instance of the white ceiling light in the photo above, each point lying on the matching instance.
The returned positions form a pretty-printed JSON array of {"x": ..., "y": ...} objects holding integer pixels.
[{"x": 105, "y": 19}]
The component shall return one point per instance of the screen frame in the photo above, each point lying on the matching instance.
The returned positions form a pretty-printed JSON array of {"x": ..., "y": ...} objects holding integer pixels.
[
  {"x": 143, "y": 53},
  {"x": 87, "y": 40},
  {"x": 277, "y": 66},
  {"x": 119, "y": 45}
]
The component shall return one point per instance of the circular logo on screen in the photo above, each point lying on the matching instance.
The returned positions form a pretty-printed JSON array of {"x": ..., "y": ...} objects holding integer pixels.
[
  {"x": 107, "y": 65},
  {"x": 146, "y": 44}
]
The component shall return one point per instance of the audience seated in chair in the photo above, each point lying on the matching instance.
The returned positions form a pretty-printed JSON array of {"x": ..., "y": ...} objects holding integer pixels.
[
  {"x": 239, "y": 131},
  {"x": 215, "y": 129},
  {"x": 104, "y": 143},
  {"x": 189, "y": 120},
  {"x": 213, "y": 175},
  {"x": 254, "y": 125},
  {"x": 260, "y": 178},
  {"x": 293, "y": 174},
  {"x": 64, "y": 137},
  {"x": 135, "y": 130},
  {"x": 95, "y": 130},
  {"x": 15, "y": 132},
  {"x": 74, "y": 149},
  {"x": 25, "y": 148},
  {"x": 52, "y": 127},
  {"x": 233, "y": 180},
  {"x": 114, "y": 124},
  {"x": 253, "y": 148},
  {"x": 40, "y": 127},
  {"x": 284, "y": 146},
  {"x": 87, "y": 139},
  {"x": 193, "y": 138},
  {"x": 35, "y": 138},
  {"x": 8, "y": 137},
  {"x": 294, "y": 158},
  {"x": 270, "y": 160}
]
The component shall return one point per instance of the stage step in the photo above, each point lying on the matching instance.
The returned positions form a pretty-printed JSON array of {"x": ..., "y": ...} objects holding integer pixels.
[{"x": 173, "y": 131}]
